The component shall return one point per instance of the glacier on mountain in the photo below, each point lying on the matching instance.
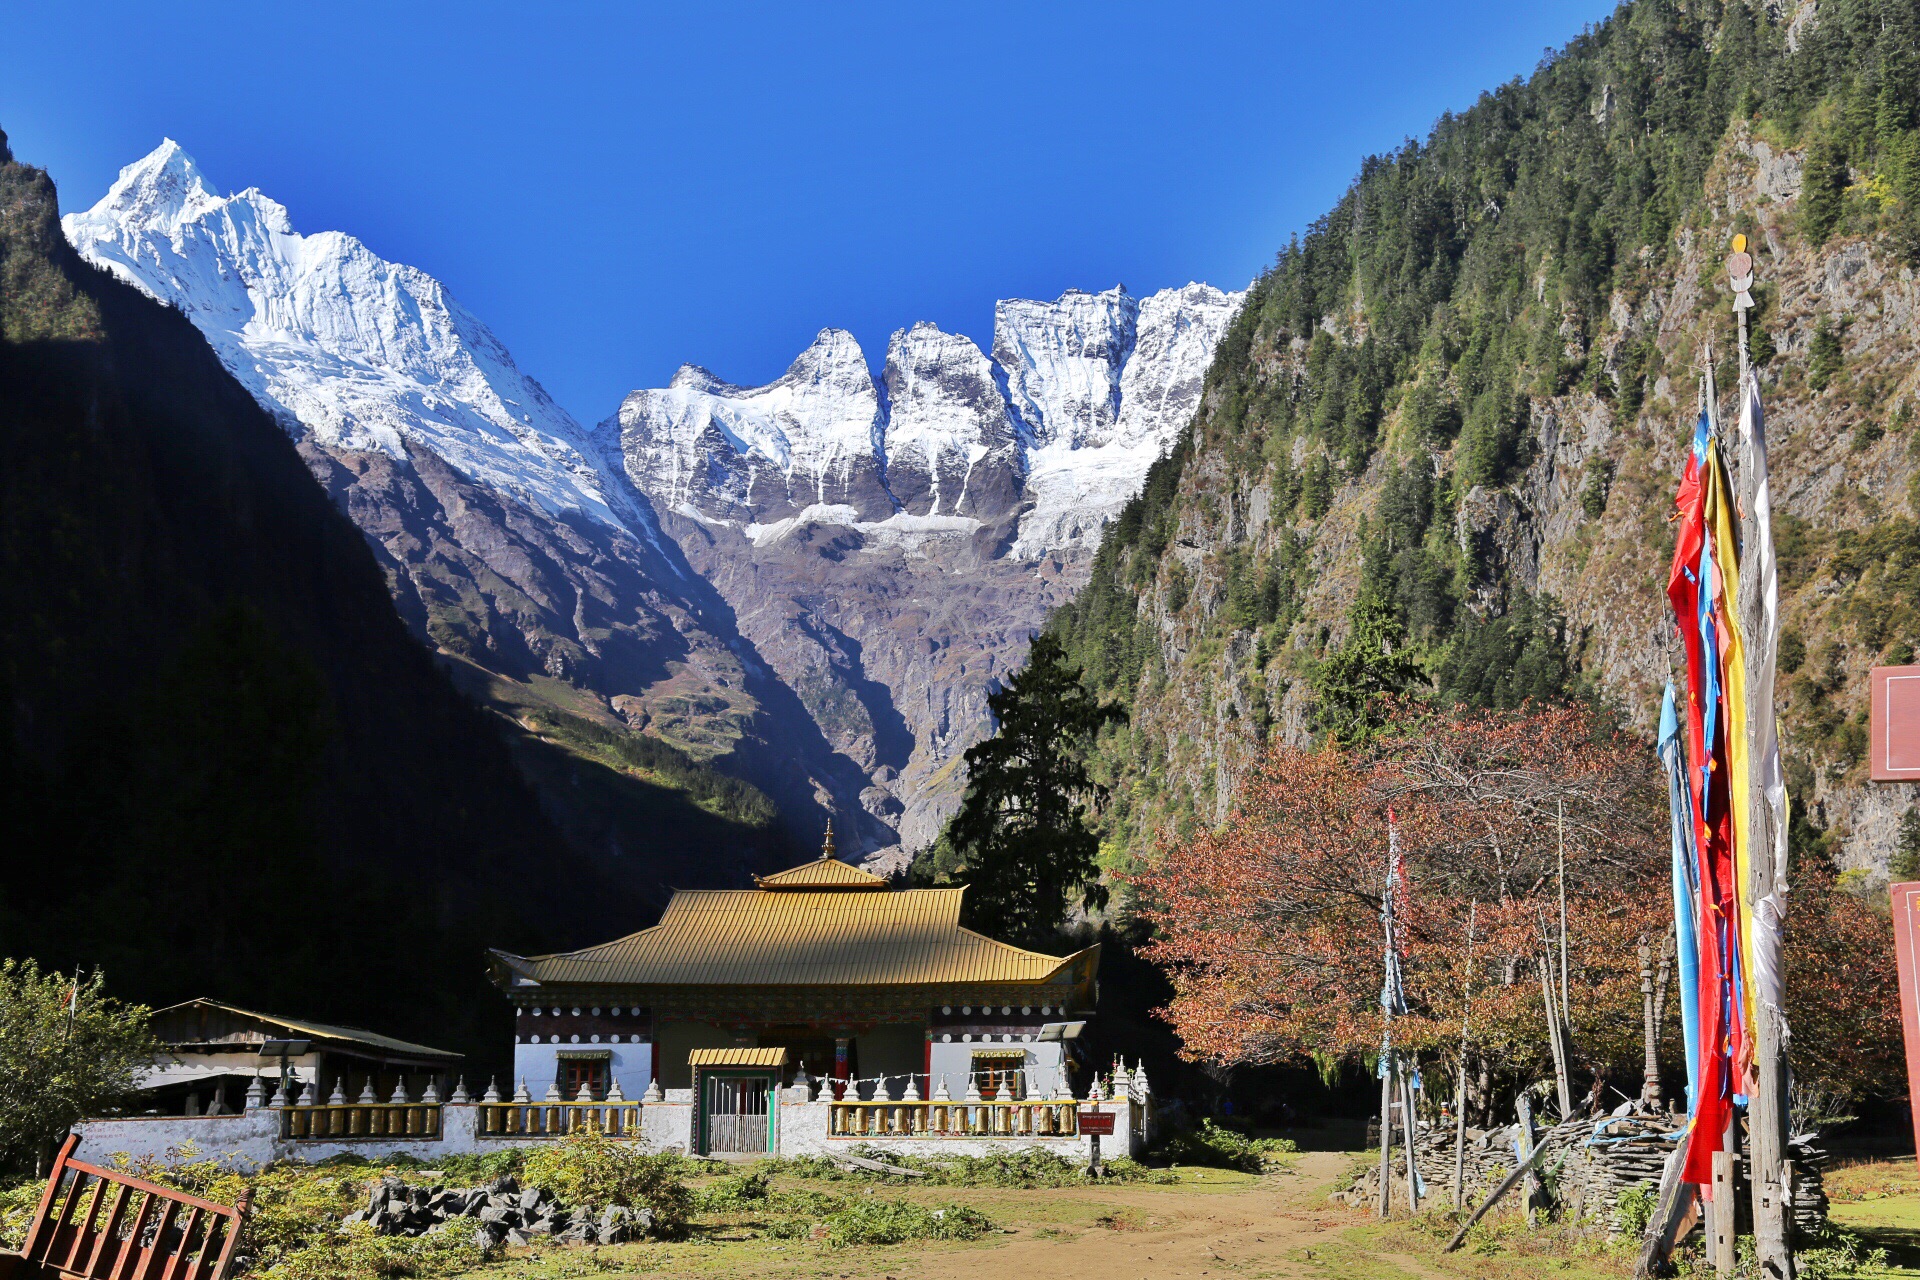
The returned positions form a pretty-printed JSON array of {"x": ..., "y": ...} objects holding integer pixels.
[
  {"x": 1053, "y": 433},
  {"x": 364, "y": 353}
]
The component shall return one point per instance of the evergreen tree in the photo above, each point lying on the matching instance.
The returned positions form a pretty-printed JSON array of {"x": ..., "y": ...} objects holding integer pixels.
[
  {"x": 1354, "y": 687},
  {"x": 1020, "y": 841}
]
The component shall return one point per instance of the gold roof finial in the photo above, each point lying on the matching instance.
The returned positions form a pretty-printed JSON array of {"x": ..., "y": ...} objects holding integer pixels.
[{"x": 826, "y": 847}]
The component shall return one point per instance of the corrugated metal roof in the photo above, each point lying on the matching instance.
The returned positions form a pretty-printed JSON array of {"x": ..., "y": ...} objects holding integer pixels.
[
  {"x": 315, "y": 1030},
  {"x": 721, "y": 937},
  {"x": 821, "y": 873},
  {"x": 768, "y": 1057}
]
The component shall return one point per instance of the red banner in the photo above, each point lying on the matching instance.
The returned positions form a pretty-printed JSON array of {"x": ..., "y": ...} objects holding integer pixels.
[
  {"x": 1894, "y": 724},
  {"x": 1906, "y": 938}
]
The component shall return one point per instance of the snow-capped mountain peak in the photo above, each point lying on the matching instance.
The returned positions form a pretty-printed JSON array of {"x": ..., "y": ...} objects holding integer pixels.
[
  {"x": 1058, "y": 427},
  {"x": 333, "y": 339}
]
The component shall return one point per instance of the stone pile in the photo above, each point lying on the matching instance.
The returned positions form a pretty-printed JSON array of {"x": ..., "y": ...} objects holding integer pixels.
[{"x": 502, "y": 1212}]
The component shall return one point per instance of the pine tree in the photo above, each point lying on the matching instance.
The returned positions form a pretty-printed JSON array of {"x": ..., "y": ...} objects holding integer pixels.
[
  {"x": 1354, "y": 688},
  {"x": 1021, "y": 838}
]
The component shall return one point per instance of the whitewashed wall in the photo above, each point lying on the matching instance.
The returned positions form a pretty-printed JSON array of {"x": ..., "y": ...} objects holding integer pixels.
[
  {"x": 801, "y": 1125},
  {"x": 538, "y": 1066}
]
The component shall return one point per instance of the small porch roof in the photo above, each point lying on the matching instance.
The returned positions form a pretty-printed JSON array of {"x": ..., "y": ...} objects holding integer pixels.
[{"x": 742, "y": 1056}]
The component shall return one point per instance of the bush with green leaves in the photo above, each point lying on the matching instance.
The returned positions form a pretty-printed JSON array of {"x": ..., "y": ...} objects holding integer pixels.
[
  {"x": 64, "y": 1055},
  {"x": 875, "y": 1221},
  {"x": 1221, "y": 1148},
  {"x": 1022, "y": 1168},
  {"x": 354, "y": 1252},
  {"x": 590, "y": 1168},
  {"x": 17, "y": 1203}
]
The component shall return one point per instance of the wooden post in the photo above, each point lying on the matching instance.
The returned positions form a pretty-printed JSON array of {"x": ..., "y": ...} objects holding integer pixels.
[
  {"x": 1555, "y": 1040},
  {"x": 1408, "y": 1134},
  {"x": 1720, "y": 1246},
  {"x": 1460, "y": 1136},
  {"x": 1528, "y": 1149},
  {"x": 1386, "y": 1135},
  {"x": 1560, "y": 824},
  {"x": 1650, "y": 1067}
]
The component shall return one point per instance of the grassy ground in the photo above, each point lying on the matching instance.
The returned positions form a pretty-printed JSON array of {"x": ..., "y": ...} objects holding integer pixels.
[
  {"x": 1210, "y": 1223},
  {"x": 1880, "y": 1201}
]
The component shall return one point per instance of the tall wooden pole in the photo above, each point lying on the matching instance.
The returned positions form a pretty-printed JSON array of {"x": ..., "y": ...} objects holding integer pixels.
[
  {"x": 1460, "y": 1081},
  {"x": 1566, "y": 1009},
  {"x": 1766, "y": 1108},
  {"x": 1386, "y": 1134},
  {"x": 1650, "y": 1073}
]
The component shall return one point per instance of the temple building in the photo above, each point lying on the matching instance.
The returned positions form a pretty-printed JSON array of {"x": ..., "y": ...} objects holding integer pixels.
[{"x": 823, "y": 969}]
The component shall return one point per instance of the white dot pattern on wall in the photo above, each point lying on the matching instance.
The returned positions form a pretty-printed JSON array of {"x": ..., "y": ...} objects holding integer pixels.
[
  {"x": 967, "y": 1036},
  {"x": 537, "y": 1012},
  {"x": 594, "y": 1039},
  {"x": 966, "y": 1008},
  {"x": 533, "y": 1039},
  {"x": 947, "y": 1038},
  {"x": 596, "y": 1011},
  {"x": 576, "y": 1011},
  {"x": 946, "y": 1008},
  {"x": 576, "y": 1040},
  {"x": 1006, "y": 1011},
  {"x": 556, "y": 1013}
]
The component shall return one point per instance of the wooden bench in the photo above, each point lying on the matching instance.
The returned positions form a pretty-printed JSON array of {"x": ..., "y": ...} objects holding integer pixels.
[{"x": 96, "y": 1224}]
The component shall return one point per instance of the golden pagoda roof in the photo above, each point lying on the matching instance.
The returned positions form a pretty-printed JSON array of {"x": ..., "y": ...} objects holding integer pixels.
[
  {"x": 823, "y": 872},
  {"x": 791, "y": 933}
]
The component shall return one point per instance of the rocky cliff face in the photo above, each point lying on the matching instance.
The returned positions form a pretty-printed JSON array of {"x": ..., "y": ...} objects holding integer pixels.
[
  {"x": 1582, "y": 519},
  {"x": 891, "y": 603},
  {"x": 811, "y": 584}
]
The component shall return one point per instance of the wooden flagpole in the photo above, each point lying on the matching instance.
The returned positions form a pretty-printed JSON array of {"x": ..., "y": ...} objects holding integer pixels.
[{"x": 1766, "y": 1108}]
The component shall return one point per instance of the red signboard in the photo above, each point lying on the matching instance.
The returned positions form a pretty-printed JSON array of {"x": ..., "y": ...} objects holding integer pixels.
[
  {"x": 1906, "y": 946},
  {"x": 1101, "y": 1122},
  {"x": 1894, "y": 725}
]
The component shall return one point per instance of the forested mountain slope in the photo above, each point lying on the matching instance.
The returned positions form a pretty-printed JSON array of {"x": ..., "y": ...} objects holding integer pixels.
[
  {"x": 226, "y": 768},
  {"x": 1450, "y": 418}
]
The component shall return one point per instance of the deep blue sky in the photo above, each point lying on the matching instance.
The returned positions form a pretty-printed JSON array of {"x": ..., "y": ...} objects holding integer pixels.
[{"x": 616, "y": 189}]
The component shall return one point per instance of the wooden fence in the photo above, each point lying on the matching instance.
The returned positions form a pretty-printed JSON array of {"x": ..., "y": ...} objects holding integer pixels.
[
  {"x": 98, "y": 1224},
  {"x": 884, "y": 1119}
]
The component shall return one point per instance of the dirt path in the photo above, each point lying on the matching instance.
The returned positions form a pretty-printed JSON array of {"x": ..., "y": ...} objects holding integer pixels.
[
  {"x": 1262, "y": 1229},
  {"x": 1212, "y": 1225}
]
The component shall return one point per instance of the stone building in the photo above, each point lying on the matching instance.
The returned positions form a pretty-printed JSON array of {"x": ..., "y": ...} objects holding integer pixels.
[{"x": 822, "y": 972}]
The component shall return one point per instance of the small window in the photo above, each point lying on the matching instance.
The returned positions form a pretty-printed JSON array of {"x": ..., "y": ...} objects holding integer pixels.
[
  {"x": 1001, "y": 1075},
  {"x": 575, "y": 1072}
]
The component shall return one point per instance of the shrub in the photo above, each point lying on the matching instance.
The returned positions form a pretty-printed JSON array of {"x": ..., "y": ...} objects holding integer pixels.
[
  {"x": 1220, "y": 1148},
  {"x": 1635, "y": 1208},
  {"x": 742, "y": 1190},
  {"x": 17, "y": 1204},
  {"x": 356, "y": 1253},
  {"x": 894, "y": 1221},
  {"x": 592, "y": 1168}
]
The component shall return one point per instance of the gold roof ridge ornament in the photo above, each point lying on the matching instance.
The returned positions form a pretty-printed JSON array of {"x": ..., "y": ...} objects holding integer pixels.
[{"x": 826, "y": 846}]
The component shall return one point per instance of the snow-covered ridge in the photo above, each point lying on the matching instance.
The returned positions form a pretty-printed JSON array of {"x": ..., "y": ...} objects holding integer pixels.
[
  {"x": 1057, "y": 429},
  {"x": 364, "y": 353}
]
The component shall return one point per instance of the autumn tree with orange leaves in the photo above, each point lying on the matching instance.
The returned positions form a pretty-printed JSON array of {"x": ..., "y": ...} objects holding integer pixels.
[{"x": 1270, "y": 926}]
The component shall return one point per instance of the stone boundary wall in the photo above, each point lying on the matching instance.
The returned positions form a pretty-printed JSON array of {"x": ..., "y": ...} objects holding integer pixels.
[{"x": 801, "y": 1123}]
